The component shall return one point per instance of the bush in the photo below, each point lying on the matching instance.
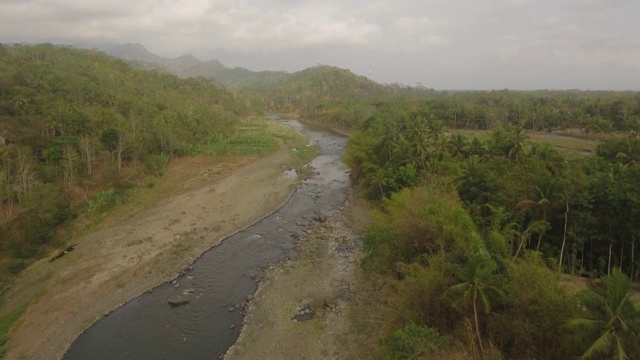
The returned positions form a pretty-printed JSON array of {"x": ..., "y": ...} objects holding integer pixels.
[
  {"x": 103, "y": 201},
  {"x": 15, "y": 266},
  {"x": 411, "y": 341},
  {"x": 418, "y": 222}
]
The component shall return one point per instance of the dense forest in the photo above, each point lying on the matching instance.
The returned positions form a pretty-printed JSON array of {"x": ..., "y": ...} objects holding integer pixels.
[
  {"x": 477, "y": 230},
  {"x": 79, "y": 128}
]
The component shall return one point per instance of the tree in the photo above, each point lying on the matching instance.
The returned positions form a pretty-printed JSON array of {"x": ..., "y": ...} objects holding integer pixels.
[
  {"x": 69, "y": 165},
  {"x": 516, "y": 143},
  {"x": 378, "y": 178},
  {"x": 88, "y": 146},
  {"x": 535, "y": 227},
  {"x": 477, "y": 287},
  {"x": 609, "y": 326},
  {"x": 545, "y": 199},
  {"x": 115, "y": 140}
]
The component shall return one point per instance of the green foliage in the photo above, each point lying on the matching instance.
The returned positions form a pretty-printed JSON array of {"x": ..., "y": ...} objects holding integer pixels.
[
  {"x": 477, "y": 286},
  {"x": 17, "y": 265},
  {"x": 380, "y": 247},
  {"x": 533, "y": 310},
  {"x": 104, "y": 201},
  {"x": 306, "y": 154},
  {"x": 5, "y": 325},
  {"x": 420, "y": 293},
  {"x": 412, "y": 341},
  {"x": 80, "y": 122},
  {"x": 609, "y": 327},
  {"x": 414, "y": 223}
]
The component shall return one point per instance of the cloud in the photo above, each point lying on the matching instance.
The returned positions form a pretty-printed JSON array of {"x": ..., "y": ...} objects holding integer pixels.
[
  {"x": 406, "y": 40},
  {"x": 414, "y": 34}
]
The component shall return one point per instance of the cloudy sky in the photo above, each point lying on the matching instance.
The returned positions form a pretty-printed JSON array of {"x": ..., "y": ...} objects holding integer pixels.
[{"x": 444, "y": 44}]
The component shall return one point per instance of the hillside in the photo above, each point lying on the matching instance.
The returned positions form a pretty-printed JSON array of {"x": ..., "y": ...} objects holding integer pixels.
[
  {"x": 79, "y": 128},
  {"x": 321, "y": 93}
]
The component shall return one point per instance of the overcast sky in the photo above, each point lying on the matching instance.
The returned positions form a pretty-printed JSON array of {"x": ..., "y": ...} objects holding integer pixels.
[{"x": 443, "y": 44}]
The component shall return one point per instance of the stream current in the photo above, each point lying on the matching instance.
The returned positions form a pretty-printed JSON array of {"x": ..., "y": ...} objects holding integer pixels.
[{"x": 148, "y": 328}]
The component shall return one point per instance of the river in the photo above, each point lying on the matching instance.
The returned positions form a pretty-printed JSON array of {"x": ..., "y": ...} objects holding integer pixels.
[{"x": 148, "y": 328}]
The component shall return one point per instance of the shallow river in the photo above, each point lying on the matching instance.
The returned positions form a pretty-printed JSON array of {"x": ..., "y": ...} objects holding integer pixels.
[{"x": 148, "y": 328}]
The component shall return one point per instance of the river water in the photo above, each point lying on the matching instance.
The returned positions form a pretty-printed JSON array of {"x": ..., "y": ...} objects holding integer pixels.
[{"x": 148, "y": 328}]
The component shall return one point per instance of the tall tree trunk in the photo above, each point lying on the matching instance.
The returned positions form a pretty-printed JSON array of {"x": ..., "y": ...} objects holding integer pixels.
[
  {"x": 633, "y": 250},
  {"x": 621, "y": 252},
  {"x": 519, "y": 248},
  {"x": 120, "y": 150},
  {"x": 544, "y": 218},
  {"x": 475, "y": 316},
  {"x": 582, "y": 257},
  {"x": 539, "y": 241},
  {"x": 609, "y": 263},
  {"x": 564, "y": 235}
]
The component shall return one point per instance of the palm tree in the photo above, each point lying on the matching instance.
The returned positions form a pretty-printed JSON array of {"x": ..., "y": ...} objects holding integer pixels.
[
  {"x": 469, "y": 168},
  {"x": 478, "y": 276},
  {"x": 546, "y": 198},
  {"x": 535, "y": 227},
  {"x": 378, "y": 178},
  {"x": 549, "y": 155},
  {"x": 498, "y": 141},
  {"x": 455, "y": 111},
  {"x": 610, "y": 323},
  {"x": 476, "y": 147},
  {"x": 457, "y": 143},
  {"x": 631, "y": 152},
  {"x": 516, "y": 143}
]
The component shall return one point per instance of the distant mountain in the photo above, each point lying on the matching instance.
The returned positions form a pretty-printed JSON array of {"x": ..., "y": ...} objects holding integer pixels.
[
  {"x": 135, "y": 52},
  {"x": 190, "y": 66}
]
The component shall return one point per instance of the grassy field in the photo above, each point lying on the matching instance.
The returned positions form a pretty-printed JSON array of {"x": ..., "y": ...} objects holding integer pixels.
[{"x": 561, "y": 141}]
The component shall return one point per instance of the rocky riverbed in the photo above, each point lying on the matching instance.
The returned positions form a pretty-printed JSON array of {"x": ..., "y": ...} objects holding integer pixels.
[{"x": 301, "y": 309}]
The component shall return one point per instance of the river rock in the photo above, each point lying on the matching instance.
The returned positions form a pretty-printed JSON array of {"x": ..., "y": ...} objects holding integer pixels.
[
  {"x": 316, "y": 304},
  {"x": 178, "y": 300},
  {"x": 319, "y": 217}
]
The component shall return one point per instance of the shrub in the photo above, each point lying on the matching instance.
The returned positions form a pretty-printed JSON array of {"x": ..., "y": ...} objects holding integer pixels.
[
  {"x": 411, "y": 341},
  {"x": 103, "y": 201},
  {"x": 15, "y": 266}
]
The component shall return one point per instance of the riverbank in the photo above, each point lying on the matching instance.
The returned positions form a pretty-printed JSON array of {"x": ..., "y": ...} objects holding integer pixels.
[
  {"x": 307, "y": 304},
  {"x": 216, "y": 197}
]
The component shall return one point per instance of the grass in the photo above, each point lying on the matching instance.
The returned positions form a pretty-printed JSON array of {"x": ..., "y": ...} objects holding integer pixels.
[
  {"x": 7, "y": 321},
  {"x": 253, "y": 137},
  {"x": 5, "y": 325},
  {"x": 306, "y": 153},
  {"x": 559, "y": 140}
]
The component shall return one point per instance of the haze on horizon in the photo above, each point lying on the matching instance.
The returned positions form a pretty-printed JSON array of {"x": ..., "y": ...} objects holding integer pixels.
[{"x": 442, "y": 44}]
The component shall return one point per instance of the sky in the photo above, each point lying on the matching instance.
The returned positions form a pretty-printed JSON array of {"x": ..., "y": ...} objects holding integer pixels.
[{"x": 441, "y": 44}]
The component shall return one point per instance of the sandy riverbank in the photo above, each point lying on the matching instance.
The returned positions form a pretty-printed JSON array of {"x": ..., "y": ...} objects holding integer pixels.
[{"x": 124, "y": 259}]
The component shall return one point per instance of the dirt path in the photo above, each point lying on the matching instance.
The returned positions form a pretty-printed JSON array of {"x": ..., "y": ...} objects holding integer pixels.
[{"x": 123, "y": 260}]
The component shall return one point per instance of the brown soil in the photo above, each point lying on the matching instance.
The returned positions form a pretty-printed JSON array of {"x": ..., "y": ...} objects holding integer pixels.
[{"x": 208, "y": 200}]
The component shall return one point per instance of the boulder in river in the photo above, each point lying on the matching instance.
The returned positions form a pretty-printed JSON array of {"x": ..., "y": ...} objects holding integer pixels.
[{"x": 178, "y": 300}]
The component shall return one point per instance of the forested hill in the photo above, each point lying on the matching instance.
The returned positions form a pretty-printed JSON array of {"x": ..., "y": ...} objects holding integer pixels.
[
  {"x": 321, "y": 93},
  {"x": 327, "y": 94},
  {"x": 76, "y": 122}
]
